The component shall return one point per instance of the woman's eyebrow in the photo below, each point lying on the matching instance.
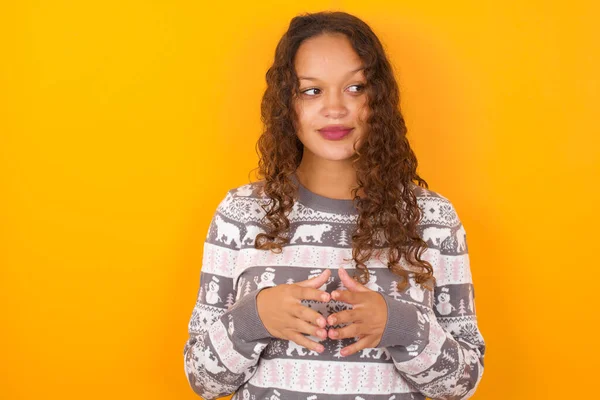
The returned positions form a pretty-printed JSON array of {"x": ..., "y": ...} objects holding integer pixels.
[{"x": 316, "y": 79}]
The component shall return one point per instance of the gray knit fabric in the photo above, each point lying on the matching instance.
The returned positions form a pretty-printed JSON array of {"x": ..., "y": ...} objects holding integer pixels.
[{"x": 431, "y": 345}]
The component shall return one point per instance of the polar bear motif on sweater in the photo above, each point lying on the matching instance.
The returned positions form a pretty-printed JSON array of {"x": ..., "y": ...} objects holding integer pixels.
[
  {"x": 461, "y": 239},
  {"x": 228, "y": 230},
  {"x": 379, "y": 351},
  {"x": 301, "y": 350},
  {"x": 211, "y": 364},
  {"x": 316, "y": 231},
  {"x": 435, "y": 235},
  {"x": 251, "y": 232}
]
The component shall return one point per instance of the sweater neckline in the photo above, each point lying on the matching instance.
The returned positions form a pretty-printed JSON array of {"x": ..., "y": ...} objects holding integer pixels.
[{"x": 322, "y": 203}]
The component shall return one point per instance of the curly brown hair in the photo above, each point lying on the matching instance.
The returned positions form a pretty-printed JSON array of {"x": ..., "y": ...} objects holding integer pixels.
[{"x": 385, "y": 163}]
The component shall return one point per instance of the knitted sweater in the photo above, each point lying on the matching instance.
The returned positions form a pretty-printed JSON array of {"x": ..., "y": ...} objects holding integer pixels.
[{"x": 431, "y": 345}]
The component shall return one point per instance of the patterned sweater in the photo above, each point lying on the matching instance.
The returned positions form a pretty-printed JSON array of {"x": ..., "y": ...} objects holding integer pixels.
[{"x": 431, "y": 345}]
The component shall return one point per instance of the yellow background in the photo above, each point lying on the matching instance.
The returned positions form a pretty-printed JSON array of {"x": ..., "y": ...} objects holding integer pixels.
[{"x": 123, "y": 124}]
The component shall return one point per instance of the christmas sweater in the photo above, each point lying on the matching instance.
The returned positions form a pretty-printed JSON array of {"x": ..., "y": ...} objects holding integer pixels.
[{"x": 431, "y": 344}]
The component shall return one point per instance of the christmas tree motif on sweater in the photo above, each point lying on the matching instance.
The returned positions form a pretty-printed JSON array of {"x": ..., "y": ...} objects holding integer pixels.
[
  {"x": 266, "y": 278},
  {"x": 371, "y": 378},
  {"x": 337, "y": 379},
  {"x": 394, "y": 290},
  {"x": 212, "y": 291},
  {"x": 227, "y": 232},
  {"x": 305, "y": 257},
  {"x": 354, "y": 377},
  {"x": 303, "y": 232},
  {"x": 230, "y": 301},
  {"x": 461, "y": 308},
  {"x": 302, "y": 376},
  {"x": 289, "y": 281},
  {"x": 247, "y": 289},
  {"x": 288, "y": 369},
  {"x": 443, "y": 306},
  {"x": 343, "y": 239},
  {"x": 320, "y": 373},
  {"x": 338, "y": 349}
]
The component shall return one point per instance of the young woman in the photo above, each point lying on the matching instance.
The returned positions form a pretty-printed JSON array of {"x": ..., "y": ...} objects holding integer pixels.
[{"x": 278, "y": 315}]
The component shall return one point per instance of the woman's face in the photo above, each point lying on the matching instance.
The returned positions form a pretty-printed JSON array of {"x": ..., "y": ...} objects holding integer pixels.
[{"x": 331, "y": 86}]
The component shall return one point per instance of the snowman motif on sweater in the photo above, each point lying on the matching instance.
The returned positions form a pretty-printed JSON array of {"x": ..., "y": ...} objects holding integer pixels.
[
  {"x": 415, "y": 291},
  {"x": 316, "y": 272},
  {"x": 266, "y": 278},
  {"x": 443, "y": 306},
  {"x": 372, "y": 284},
  {"x": 212, "y": 291}
]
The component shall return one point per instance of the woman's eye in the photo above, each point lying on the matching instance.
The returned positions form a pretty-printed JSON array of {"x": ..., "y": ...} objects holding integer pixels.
[
  {"x": 311, "y": 91},
  {"x": 360, "y": 87},
  {"x": 308, "y": 90}
]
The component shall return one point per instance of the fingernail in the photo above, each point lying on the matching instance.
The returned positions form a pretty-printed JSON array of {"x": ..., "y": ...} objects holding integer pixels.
[
  {"x": 324, "y": 297},
  {"x": 334, "y": 295},
  {"x": 332, "y": 320},
  {"x": 320, "y": 321},
  {"x": 334, "y": 333},
  {"x": 320, "y": 348},
  {"x": 322, "y": 333}
]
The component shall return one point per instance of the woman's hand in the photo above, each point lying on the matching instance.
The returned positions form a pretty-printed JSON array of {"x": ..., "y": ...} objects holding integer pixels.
[
  {"x": 367, "y": 318},
  {"x": 284, "y": 317}
]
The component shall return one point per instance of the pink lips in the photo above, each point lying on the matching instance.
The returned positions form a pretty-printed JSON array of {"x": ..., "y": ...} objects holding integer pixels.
[{"x": 335, "y": 133}]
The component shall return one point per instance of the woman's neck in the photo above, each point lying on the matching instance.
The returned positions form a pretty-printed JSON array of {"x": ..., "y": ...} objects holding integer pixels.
[{"x": 333, "y": 179}]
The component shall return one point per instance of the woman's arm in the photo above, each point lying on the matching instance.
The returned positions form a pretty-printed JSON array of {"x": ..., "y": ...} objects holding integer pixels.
[
  {"x": 443, "y": 356},
  {"x": 226, "y": 337}
]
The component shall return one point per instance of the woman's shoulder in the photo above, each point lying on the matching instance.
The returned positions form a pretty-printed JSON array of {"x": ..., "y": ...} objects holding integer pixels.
[
  {"x": 436, "y": 208},
  {"x": 423, "y": 193},
  {"x": 252, "y": 190}
]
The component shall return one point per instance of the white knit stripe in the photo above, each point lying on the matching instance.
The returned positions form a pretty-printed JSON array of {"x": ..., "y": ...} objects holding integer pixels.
[
  {"x": 448, "y": 269},
  {"x": 314, "y": 376},
  {"x": 218, "y": 260}
]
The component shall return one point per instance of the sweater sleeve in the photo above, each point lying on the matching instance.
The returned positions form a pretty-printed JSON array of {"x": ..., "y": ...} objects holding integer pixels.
[
  {"x": 226, "y": 336},
  {"x": 438, "y": 348}
]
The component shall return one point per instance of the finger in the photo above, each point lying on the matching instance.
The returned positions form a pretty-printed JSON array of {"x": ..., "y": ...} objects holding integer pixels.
[
  {"x": 309, "y": 315},
  {"x": 303, "y": 341},
  {"x": 350, "y": 283},
  {"x": 307, "y": 293},
  {"x": 317, "y": 281},
  {"x": 350, "y": 331},
  {"x": 309, "y": 329},
  {"x": 357, "y": 346},
  {"x": 343, "y": 317},
  {"x": 346, "y": 296}
]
